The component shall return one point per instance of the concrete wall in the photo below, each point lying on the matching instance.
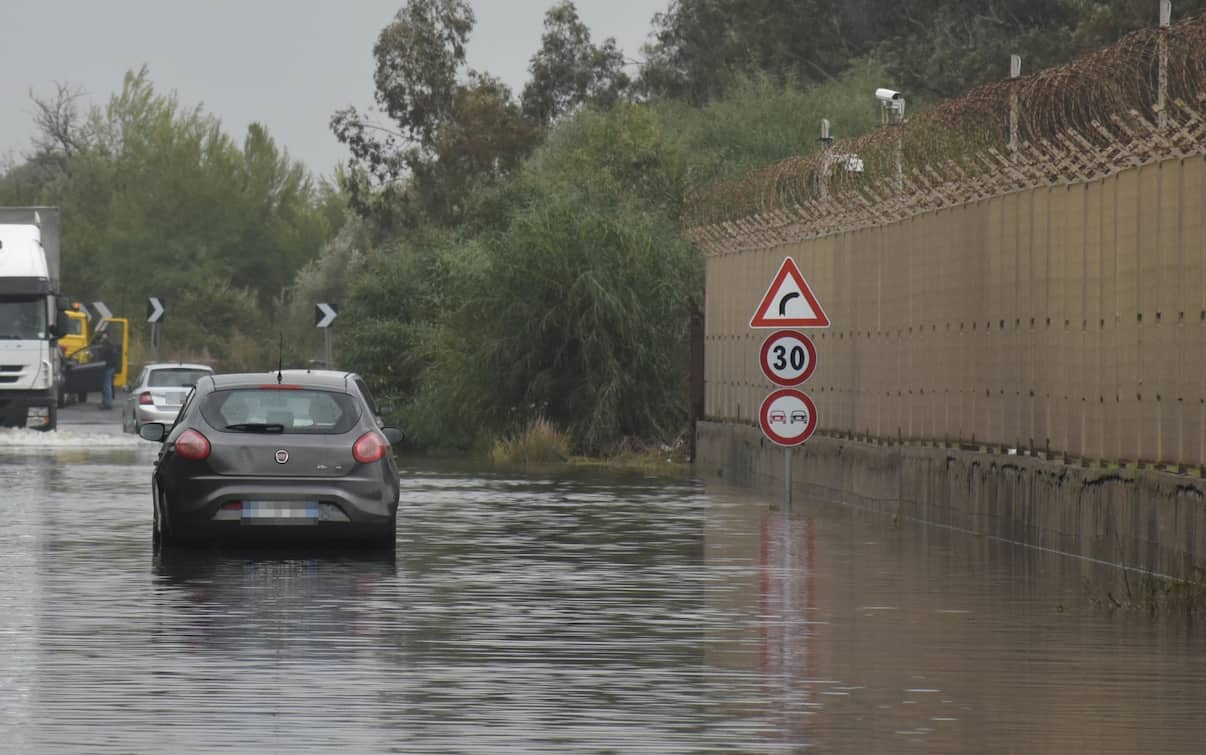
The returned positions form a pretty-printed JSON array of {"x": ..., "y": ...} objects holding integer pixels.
[
  {"x": 1068, "y": 319},
  {"x": 1146, "y": 519},
  {"x": 1020, "y": 354}
]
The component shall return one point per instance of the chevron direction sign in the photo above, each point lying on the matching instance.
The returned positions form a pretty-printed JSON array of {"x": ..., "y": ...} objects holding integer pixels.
[
  {"x": 155, "y": 309},
  {"x": 324, "y": 315}
]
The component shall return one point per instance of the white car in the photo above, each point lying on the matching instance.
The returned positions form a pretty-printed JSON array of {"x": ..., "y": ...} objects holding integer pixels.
[{"x": 158, "y": 393}]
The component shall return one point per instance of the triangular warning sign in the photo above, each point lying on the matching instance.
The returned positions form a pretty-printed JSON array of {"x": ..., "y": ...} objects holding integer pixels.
[{"x": 789, "y": 302}]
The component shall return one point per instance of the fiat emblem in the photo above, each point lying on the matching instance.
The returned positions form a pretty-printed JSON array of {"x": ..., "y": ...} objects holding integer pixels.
[{"x": 282, "y": 456}]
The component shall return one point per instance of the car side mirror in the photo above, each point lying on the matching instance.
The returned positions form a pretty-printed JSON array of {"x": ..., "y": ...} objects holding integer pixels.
[
  {"x": 392, "y": 434},
  {"x": 154, "y": 431}
]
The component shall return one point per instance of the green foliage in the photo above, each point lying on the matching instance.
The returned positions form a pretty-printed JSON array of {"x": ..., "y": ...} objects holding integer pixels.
[
  {"x": 447, "y": 138},
  {"x": 393, "y": 334},
  {"x": 701, "y": 47},
  {"x": 761, "y": 121},
  {"x": 485, "y": 141},
  {"x": 583, "y": 309},
  {"x": 948, "y": 46},
  {"x": 539, "y": 442},
  {"x": 569, "y": 291},
  {"x": 626, "y": 151},
  {"x": 571, "y": 294},
  {"x": 569, "y": 70},
  {"x": 157, "y": 200},
  {"x": 931, "y": 48},
  {"x": 329, "y": 278}
]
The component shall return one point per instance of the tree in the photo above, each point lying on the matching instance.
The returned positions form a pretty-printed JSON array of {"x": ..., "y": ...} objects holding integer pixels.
[
  {"x": 484, "y": 141},
  {"x": 931, "y": 48},
  {"x": 417, "y": 58},
  {"x": 159, "y": 200},
  {"x": 701, "y": 46},
  {"x": 942, "y": 48},
  {"x": 568, "y": 70},
  {"x": 60, "y": 127},
  {"x": 447, "y": 135}
]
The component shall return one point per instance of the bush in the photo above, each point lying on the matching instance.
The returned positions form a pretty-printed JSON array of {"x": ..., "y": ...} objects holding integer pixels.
[
  {"x": 583, "y": 307},
  {"x": 540, "y": 442}
]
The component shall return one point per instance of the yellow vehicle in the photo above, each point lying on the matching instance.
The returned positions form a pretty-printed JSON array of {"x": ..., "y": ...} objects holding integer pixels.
[
  {"x": 119, "y": 333},
  {"x": 83, "y": 375},
  {"x": 75, "y": 333}
]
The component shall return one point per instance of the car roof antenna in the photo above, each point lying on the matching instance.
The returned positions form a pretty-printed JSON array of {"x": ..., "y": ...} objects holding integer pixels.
[{"x": 280, "y": 359}]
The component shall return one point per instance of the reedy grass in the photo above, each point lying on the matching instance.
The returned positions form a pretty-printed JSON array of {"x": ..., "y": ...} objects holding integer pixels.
[{"x": 539, "y": 442}]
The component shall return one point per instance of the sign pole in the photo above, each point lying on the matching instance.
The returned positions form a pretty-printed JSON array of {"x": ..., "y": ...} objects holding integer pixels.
[
  {"x": 787, "y": 476},
  {"x": 155, "y": 310},
  {"x": 325, "y": 314}
]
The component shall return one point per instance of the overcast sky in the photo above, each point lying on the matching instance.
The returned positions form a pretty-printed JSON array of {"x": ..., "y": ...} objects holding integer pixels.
[{"x": 284, "y": 63}]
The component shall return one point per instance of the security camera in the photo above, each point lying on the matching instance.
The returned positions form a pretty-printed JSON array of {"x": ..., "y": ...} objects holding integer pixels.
[{"x": 888, "y": 95}]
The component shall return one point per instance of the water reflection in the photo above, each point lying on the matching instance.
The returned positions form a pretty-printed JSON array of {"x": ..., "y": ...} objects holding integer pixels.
[
  {"x": 584, "y": 613},
  {"x": 316, "y": 600}
]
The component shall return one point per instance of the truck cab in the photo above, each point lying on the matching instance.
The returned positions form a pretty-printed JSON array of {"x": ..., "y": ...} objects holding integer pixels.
[
  {"x": 29, "y": 355},
  {"x": 73, "y": 334},
  {"x": 84, "y": 373}
]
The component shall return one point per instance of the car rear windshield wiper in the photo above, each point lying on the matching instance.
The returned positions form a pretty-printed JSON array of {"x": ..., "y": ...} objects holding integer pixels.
[{"x": 257, "y": 427}]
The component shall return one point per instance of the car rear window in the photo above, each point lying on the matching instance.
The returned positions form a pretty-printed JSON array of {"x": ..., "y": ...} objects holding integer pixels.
[
  {"x": 313, "y": 412},
  {"x": 175, "y": 377}
]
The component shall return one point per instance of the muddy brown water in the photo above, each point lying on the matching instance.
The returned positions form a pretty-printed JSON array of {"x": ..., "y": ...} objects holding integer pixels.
[{"x": 585, "y": 612}]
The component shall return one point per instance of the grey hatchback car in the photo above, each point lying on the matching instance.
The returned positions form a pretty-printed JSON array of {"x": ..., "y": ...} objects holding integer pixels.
[{"x": 285, "y": 455}]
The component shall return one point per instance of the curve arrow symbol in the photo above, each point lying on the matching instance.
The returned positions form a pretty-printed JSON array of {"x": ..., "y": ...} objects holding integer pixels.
[
  {"x": 155, "y": 309},
  {"x": 324, "y": 315}
]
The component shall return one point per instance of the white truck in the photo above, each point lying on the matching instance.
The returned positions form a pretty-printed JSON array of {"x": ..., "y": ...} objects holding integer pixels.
[{"x": 30, "y": 361}]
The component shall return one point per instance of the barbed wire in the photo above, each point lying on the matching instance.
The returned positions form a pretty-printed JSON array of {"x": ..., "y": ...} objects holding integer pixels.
[{"x": 1088, "y": 106}]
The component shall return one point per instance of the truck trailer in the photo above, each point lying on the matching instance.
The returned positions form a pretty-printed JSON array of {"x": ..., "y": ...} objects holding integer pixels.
[{"x": 30, "y": 361}]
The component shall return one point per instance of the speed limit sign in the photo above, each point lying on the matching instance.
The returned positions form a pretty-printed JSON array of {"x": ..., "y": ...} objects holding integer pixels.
[{"x": 788, "y": 358}]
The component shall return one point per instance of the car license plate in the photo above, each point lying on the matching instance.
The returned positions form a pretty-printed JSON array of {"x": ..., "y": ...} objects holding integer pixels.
[{"x": 260, "y": 510}]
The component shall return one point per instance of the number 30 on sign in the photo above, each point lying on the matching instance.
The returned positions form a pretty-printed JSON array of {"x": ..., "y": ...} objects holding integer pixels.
[{"x": 788, "y": 358}]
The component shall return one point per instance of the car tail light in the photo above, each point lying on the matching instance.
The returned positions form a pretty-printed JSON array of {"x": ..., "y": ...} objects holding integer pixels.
[
  {"x": 192, "y": 445},
  {"x": 145, "y": 399},
  {"x": 370, "y": 447}
]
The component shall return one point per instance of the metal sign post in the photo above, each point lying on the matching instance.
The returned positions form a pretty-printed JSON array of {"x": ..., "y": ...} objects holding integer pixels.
[
  {"x": 787, "y": 476},
  {"x": 324, "y": 315},
  {"x": 155, "y": 310}
]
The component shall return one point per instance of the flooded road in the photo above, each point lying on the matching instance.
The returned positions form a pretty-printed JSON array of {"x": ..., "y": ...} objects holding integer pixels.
[{"x": 591, "y": 612}]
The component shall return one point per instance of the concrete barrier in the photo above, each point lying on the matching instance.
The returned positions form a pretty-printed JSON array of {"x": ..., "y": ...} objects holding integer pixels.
[{"x": 1141, "y": 518}]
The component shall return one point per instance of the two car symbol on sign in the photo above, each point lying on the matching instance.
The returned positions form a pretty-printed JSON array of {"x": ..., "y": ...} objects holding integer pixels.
[{"x": 796, "y": 416}]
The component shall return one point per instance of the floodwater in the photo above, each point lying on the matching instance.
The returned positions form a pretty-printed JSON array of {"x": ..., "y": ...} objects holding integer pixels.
[{"x": 590, "y": 612}]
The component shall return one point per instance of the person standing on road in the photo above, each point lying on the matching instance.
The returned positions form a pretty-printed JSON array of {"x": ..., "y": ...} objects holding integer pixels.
[{"x": 106, "y": 351}]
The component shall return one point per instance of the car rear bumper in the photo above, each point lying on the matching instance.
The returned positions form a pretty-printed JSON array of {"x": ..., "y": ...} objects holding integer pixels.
[
  {"x": 144, "y": 414},
  {"x": 348, "y": 508}
]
